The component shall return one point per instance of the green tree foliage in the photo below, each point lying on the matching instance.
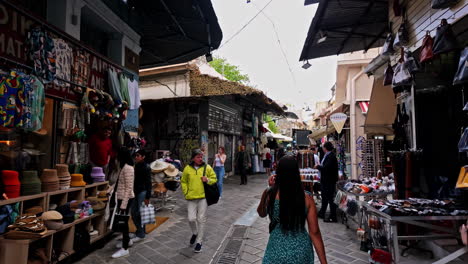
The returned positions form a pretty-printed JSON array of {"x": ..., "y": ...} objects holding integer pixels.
[
  {"x": 271, "y": 124},
  {"x": 229, "y": 71}
]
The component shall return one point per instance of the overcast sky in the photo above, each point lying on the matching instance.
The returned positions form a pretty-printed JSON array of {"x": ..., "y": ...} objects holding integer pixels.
[{"x": 257, "y": 52}]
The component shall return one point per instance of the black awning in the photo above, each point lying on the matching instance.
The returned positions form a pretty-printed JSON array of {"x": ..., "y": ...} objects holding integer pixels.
[
  {"x": 342, "y": 26},
  {"x": 175, "y": 31}
]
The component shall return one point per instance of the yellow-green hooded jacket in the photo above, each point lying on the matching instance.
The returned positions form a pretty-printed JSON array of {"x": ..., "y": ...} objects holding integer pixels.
[{"x": 191, "y": 182}]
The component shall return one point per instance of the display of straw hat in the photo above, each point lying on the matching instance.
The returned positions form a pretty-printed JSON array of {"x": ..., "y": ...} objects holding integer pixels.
[
  {"x": 158, "y": 177},
  {"x": 30, "y": 183},
  {"x": 11, "y": 183},
  {"x": 77, "y": 180},
  {"x": 96, "y": 203},
  {"x": 102, "y": 195},
  {"x": 50, "y": 180},
  {"x": 171, "y": 171},
  {"x": 64, "y": 176},
  {"x": 158, "y": 166},
  {"x": 34, "y": 210}
]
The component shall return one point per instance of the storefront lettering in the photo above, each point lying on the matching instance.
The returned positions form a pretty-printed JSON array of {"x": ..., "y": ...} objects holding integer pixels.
[{"x": 14, "y": 28}]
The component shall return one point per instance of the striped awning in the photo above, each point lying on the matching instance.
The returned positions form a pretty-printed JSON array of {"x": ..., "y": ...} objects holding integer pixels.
[{"x": 364, "y": 106}]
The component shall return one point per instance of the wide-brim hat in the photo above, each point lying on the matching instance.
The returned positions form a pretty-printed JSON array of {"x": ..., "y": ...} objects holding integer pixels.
[
  {"x": 10, "y": 177},
  {"x": 97, "y": 172},
  {"x": 158, "y": 166},
  {"x": 62, "y": 170},
  {"x": 158, "y": 177},
  {"x": 77, "y": 180},
  {"x": 97, "y": 204},
  {"x": 171, "y": 171},
  {"x": 49, "y": 175}
]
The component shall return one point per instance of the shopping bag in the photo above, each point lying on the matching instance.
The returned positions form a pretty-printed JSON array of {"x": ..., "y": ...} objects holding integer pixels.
[
  {"x": 387, "y": 49},
  {"x": 445, "y": 39},
  {"x": 462, "y": 72},
  {"x": 402, "y": 37},
  {"x": 411, "y": 63},
  {"x": 147, "y": 214},
  {"x": 426, "y": 51},
  {"x": 119, "y": 222},
  {"x": 402, "y": 75}
]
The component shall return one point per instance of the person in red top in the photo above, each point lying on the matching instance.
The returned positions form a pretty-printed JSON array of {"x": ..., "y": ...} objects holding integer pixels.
[{"x": 100, "y": 148}]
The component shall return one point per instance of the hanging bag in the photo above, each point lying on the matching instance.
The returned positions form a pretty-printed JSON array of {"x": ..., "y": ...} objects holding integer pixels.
[
  {"x": 402, "y": 36},
  {"x": 147, "y": 214},
  {"x": 441, "y": 4},
  {"x": 387, "y": 49},
  {"x": 445, "y": 40},
  {"x": 211, "y": 191},
  {"x": 462, "y": 72},
  {"x": 388, "y": 75},
  {"x": 411, "y": 63},
  {"x": 426, "y": 51},
  {"x": 402, "y": 76}
]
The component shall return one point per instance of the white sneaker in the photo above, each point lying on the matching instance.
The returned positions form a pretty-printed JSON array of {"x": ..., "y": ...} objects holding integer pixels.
[
  {"x": 121, "y": 253},
  {"x": 120, "y": 244},
  {"x": 137, "y": 239}
]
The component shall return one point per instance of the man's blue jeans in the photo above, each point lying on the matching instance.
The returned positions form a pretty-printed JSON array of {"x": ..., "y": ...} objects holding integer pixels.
[
  {"x": 220, "y": 176},
  {"x": 136, "y": 216}
]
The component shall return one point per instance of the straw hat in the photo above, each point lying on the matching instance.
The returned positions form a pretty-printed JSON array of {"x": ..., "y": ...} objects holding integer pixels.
[
  {"x": 96, "y": 203},
  {"x": 77, "y": 180},
  {"x": 64, "y": 176},
  {"x": 102, "y": 196},
  {"x": 158, "y": 166},
  {"x": 49, "y": 175},
  {"x": 171, "y": 171},
  {"x": 52, "y": 215},
  {"x": 34, "y": 210}
]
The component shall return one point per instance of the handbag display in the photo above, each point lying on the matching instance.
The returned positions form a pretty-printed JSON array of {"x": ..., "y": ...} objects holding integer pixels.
[
  {"x": 445, "y": 39},
  {"x": 211, "y": 191},
  {"x": 463, "y": 142},
  {"x": 147, "y": 214},
  {"x": 388, "y": 75},
  {"x": 402, "y": 76},
  {"x": 441, "y": 4},
  {"x": 411, "y": 63},
  {"x": 402, "y": 36},
  {"x": 462, "y": 72},
  {"x": 387, "y": 48},
  {"x": 426, "y": 51}
]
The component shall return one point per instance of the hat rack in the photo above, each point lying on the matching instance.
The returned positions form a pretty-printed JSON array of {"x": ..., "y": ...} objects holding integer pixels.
[{"x": 16, "y": 251}]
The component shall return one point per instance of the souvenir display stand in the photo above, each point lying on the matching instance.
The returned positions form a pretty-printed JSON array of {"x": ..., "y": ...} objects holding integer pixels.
[
  {"x": 360, "y": 198},
  {"x": 426, "y": 222},
  {"x": 59, "y": 241}
]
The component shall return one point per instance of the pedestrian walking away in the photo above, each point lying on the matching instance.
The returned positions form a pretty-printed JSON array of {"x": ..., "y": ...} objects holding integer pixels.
[
  {"x": 243, "y": 164},
  {"x": 328, "y": 178},
  {"x": 142, "y": 190},
  {"x": 193, "y": 178},
  {"x": 289, "y": 208},
  {"x": 125, "y": 197},
  {"x": 218, "y": 165},
  {"x": 266, "y": 157}
]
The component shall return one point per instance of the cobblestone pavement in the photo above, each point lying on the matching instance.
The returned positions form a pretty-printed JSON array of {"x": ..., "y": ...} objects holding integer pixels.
[{"x": 169, "y": 242}]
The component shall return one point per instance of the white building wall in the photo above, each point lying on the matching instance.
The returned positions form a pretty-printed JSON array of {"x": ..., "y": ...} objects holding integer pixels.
[{"x": 165, "y": 87}]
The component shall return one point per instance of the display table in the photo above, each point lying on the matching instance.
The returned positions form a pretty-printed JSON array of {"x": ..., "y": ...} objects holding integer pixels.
[{"x": 420, "y": 221}]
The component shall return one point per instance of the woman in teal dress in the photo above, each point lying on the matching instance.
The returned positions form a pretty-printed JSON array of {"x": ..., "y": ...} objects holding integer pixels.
[{"x": 289, "y": 209}]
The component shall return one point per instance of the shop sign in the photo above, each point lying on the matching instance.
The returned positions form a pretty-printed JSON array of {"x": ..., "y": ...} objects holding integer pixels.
[{"x": 338, "y": 120}]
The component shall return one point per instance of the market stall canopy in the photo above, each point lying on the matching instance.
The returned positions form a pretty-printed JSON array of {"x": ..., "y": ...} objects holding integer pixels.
[
  {"x": 382, "y": 110},
  {"x": 173, "y": 31},
  {"x": 341, "y": 26}
]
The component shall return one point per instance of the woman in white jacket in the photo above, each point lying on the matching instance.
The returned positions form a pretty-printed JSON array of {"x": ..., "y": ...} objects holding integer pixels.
[{"x": 125, "y": 197}]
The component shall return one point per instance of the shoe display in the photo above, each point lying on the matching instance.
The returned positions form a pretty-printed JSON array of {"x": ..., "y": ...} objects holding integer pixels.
[
  {"x": 192, "y": 239},
  {"x": 119, "y": 244},
  {"x": 121, "y": 253},
  {"x": 198, "y": 248}
]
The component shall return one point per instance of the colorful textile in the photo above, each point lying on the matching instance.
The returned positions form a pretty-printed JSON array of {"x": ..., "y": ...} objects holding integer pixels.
[
  {"x": 124, "y": 88},
  {"x": 100, "y": 150},
  {"x": 114, "y": 85},
  {"x": 11, "y": 100},
  {"x": 41, "y": 50},
  {"x": 134, "y": 93},
  {"x": 80, "y": 69},
  {"x": 64, "y": 55}
]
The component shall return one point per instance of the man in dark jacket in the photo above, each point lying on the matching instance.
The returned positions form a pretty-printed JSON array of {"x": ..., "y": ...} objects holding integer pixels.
[
  {"x": 142, "y": 190},
  {"x": 243, "y": 164},
  {"x": 328, "y": 178}
]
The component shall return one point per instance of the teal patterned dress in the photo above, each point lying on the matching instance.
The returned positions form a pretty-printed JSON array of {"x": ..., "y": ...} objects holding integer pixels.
[{"x": 290, "y": 247}]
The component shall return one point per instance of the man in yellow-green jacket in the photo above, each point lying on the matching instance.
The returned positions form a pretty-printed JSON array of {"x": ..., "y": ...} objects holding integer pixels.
[{"x": 193, "y": 177}]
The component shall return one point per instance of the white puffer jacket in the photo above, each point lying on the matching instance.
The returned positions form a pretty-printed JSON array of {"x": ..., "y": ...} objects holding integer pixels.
[{"x": 125, "y": 185}]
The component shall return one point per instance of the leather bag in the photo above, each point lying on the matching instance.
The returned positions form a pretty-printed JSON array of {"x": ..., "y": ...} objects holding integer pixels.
[
  {"x": 402, "y": 75},
  {"x": 387, "y": 48},
  {"x": 441, "y": 4},
  {"x": 411, "y": 63},
  {"x": 402, "y": 36},
  {"x": 211, "y": 191},
  {"x": 462, "y": 72},
  {"x": 445, "y": 39},
  {"x": 388, "y": 75},
  {"x": 426, "y": 51}
]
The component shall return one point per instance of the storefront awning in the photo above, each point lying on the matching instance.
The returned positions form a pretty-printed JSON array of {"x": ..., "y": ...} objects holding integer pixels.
[
  {"x": 382, "y": 110},
  {"x": 175, "y": 31},
  {"x": 341, "y": 26},
  {"x": 364, "y": 107}
]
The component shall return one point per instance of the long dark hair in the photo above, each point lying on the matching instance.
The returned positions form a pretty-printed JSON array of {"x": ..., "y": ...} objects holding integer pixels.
[
  {"x": 125, "y": 157},
  {"x": 291, "y": 195}
]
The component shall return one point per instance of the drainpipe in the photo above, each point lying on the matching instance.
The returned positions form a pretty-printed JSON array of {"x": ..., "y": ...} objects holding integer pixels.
[{"x": 353, "y": 126}]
